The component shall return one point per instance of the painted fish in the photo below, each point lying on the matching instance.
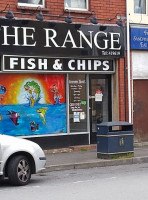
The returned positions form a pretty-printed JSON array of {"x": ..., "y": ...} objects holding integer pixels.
[
  {"x": 14, "y": 116},
  {"x": 2, "y": 89},
  {"x": 34, "y": 90},
  {"x": 42, "y": 113}
]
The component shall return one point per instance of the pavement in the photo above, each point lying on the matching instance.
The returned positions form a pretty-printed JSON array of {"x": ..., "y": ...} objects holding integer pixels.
[{"x": 85, "y": 156}]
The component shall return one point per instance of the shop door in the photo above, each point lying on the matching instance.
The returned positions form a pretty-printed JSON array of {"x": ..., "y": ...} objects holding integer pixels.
[
  {"x": 100, "y": 102},
  {"x": 140, "y": 114}
]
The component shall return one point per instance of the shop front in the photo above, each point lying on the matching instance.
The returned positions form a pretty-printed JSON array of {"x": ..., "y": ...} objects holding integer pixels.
[
  {"x": 57, "y": 80},
  {"x": 139, "y": 53}
]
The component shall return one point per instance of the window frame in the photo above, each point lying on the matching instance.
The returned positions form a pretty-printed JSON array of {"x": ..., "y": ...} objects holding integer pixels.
[
  {"x": 140, "y": 13},
  {"x": 83, "y": 94},
  {"x": 77, "y": 9},
  {"x": 32, "y": 5}
]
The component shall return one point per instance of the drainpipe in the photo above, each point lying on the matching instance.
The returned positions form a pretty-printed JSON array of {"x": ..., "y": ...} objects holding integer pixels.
[{"x": 128, "y": 64}]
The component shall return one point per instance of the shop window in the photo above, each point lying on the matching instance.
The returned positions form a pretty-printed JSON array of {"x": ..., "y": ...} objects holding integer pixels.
[
  {"x": 32, "y": 104},
  {"x": 140, "y": 6},
  {"x": 76, "y": 4},
  {"x": 31, "y": 3},
  {"x": 77, "y": 103}
]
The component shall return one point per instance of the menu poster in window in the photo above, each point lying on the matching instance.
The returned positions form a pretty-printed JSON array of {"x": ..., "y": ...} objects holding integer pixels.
[
  {"x": 76, "y": 117},
  {"x": 77, "y": 95},
  {"x": 98, "y": 97},
  {"x": 82, "y": 115}
]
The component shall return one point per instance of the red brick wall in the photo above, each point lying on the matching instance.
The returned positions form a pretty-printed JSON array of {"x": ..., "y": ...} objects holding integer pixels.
[
  {"x": 122, "y": 85},
  {"x": 106, "y": 9}
]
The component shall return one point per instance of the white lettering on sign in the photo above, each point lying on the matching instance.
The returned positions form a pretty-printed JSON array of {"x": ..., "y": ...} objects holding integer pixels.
[
  {"x": 82, "y": 36},
  {"x": 16, "y": 37},
  {"x": 71, "y": 40},
  {"x": 113, "y": 41},
  {"x": 54, "y": 64},
  {"x": 26, "y": 36},
  {"x": 106, "y": 65},
  {"x": 6, "y": 35},
  {"x": 31, "y": 63},
  {"x": 101, "y": 40},
  {"x": 50, "y": 38},
  {"x": 70, "y": 64},
  {"x": 105, "y": 42},
  {"x": 13, "y": 62},
  {"x": 92, "y": 65},
  {"x": 42, "y": 64}
]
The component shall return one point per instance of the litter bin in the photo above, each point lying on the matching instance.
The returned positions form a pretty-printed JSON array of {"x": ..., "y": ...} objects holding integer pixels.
[{"x": 114, "y": 139}]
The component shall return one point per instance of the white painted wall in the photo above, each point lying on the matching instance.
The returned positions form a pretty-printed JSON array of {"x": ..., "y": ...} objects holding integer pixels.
[{"x": 140, "y": 64}]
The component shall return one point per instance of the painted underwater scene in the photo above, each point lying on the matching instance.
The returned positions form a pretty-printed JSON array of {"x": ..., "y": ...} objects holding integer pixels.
[{"x": 32, "y": 104}]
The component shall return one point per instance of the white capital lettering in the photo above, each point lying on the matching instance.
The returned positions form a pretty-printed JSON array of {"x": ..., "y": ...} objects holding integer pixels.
[
  {"x": 113, "y": 41},
  {"x": 81, "y": 64},
  {"x": 85, "y": 38},
  {"x": 106, "y": 65},
  {"x": 6, "y": 35},
  {"x": 31, "y": 62},
  {"x": 42, "y": 63},
  {"x": 51, "y": 38},
  {"x": 89, "y": 64},
  {"x": 71, "y": 40},
  {"x": 25, "y": 29},
  {"x": 97, "y": 63},
  {"x": 105, "y": 41},
  {"x": 70, "y": 64},
  {"x": 13, "y": 62},
  {"x": 22, "y": 63}
]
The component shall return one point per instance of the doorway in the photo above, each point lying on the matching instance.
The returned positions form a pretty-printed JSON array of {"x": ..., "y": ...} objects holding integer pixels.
[{"x": 100, "y": 102}]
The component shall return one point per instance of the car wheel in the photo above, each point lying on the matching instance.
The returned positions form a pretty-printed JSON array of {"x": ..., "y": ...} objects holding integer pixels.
[{"x": 19, "y": 170}]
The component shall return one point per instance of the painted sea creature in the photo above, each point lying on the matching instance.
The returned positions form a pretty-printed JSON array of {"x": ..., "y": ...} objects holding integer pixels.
[
  {"x": 2, "y": 90},
  {"x": 42, "y": 113},
  {"x": 14, "y": 116},
  {"x": 34, "y": 126},
  {"x": 34, "y": 91},
  {"x": 57, "y": 95}
]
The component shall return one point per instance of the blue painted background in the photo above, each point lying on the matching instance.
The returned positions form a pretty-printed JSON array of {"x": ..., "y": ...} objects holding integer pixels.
[{"x": 139, "y": 38}]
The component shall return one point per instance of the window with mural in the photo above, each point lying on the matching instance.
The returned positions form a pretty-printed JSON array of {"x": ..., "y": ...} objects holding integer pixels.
[
  {"x": 32, "y": 104},
  {"x": 76, "y": 4},
  {"x": 32, "y": 3},
  {"x": 77, "y": 103},
  {"x": 140, "y": 6}
]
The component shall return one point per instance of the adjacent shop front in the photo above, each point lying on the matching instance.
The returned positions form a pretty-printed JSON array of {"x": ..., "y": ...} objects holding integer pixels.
[
  {"x": 139, "y": 54},
  {"x": 58, "y": 80}
]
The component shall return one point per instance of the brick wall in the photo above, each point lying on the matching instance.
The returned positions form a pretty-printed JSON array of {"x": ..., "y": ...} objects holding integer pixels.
[
  {"x": 122, "y": 85},
  {"x": 106, "y": 9}
]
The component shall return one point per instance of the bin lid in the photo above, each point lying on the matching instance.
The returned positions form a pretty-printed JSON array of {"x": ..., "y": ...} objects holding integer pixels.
[{"x": 117, "y": 123}]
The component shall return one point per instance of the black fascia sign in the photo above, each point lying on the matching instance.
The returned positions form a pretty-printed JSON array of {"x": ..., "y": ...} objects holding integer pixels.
[
  {"x": 33, "y": 38},
  {"x": 13, "y": 63}
]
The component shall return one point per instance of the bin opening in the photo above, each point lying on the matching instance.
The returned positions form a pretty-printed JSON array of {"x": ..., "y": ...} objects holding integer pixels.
[{"x": 120, "y": 128}]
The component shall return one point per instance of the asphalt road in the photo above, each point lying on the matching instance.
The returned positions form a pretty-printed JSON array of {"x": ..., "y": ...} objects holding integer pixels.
[{"x": 126, "y": 182}]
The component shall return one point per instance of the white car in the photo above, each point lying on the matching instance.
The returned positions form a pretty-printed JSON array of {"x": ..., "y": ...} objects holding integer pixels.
[{"x": 19, "y": 158}]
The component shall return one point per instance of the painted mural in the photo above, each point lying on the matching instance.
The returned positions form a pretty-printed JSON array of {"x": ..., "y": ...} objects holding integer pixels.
[{"x": 32, "y": 104}]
